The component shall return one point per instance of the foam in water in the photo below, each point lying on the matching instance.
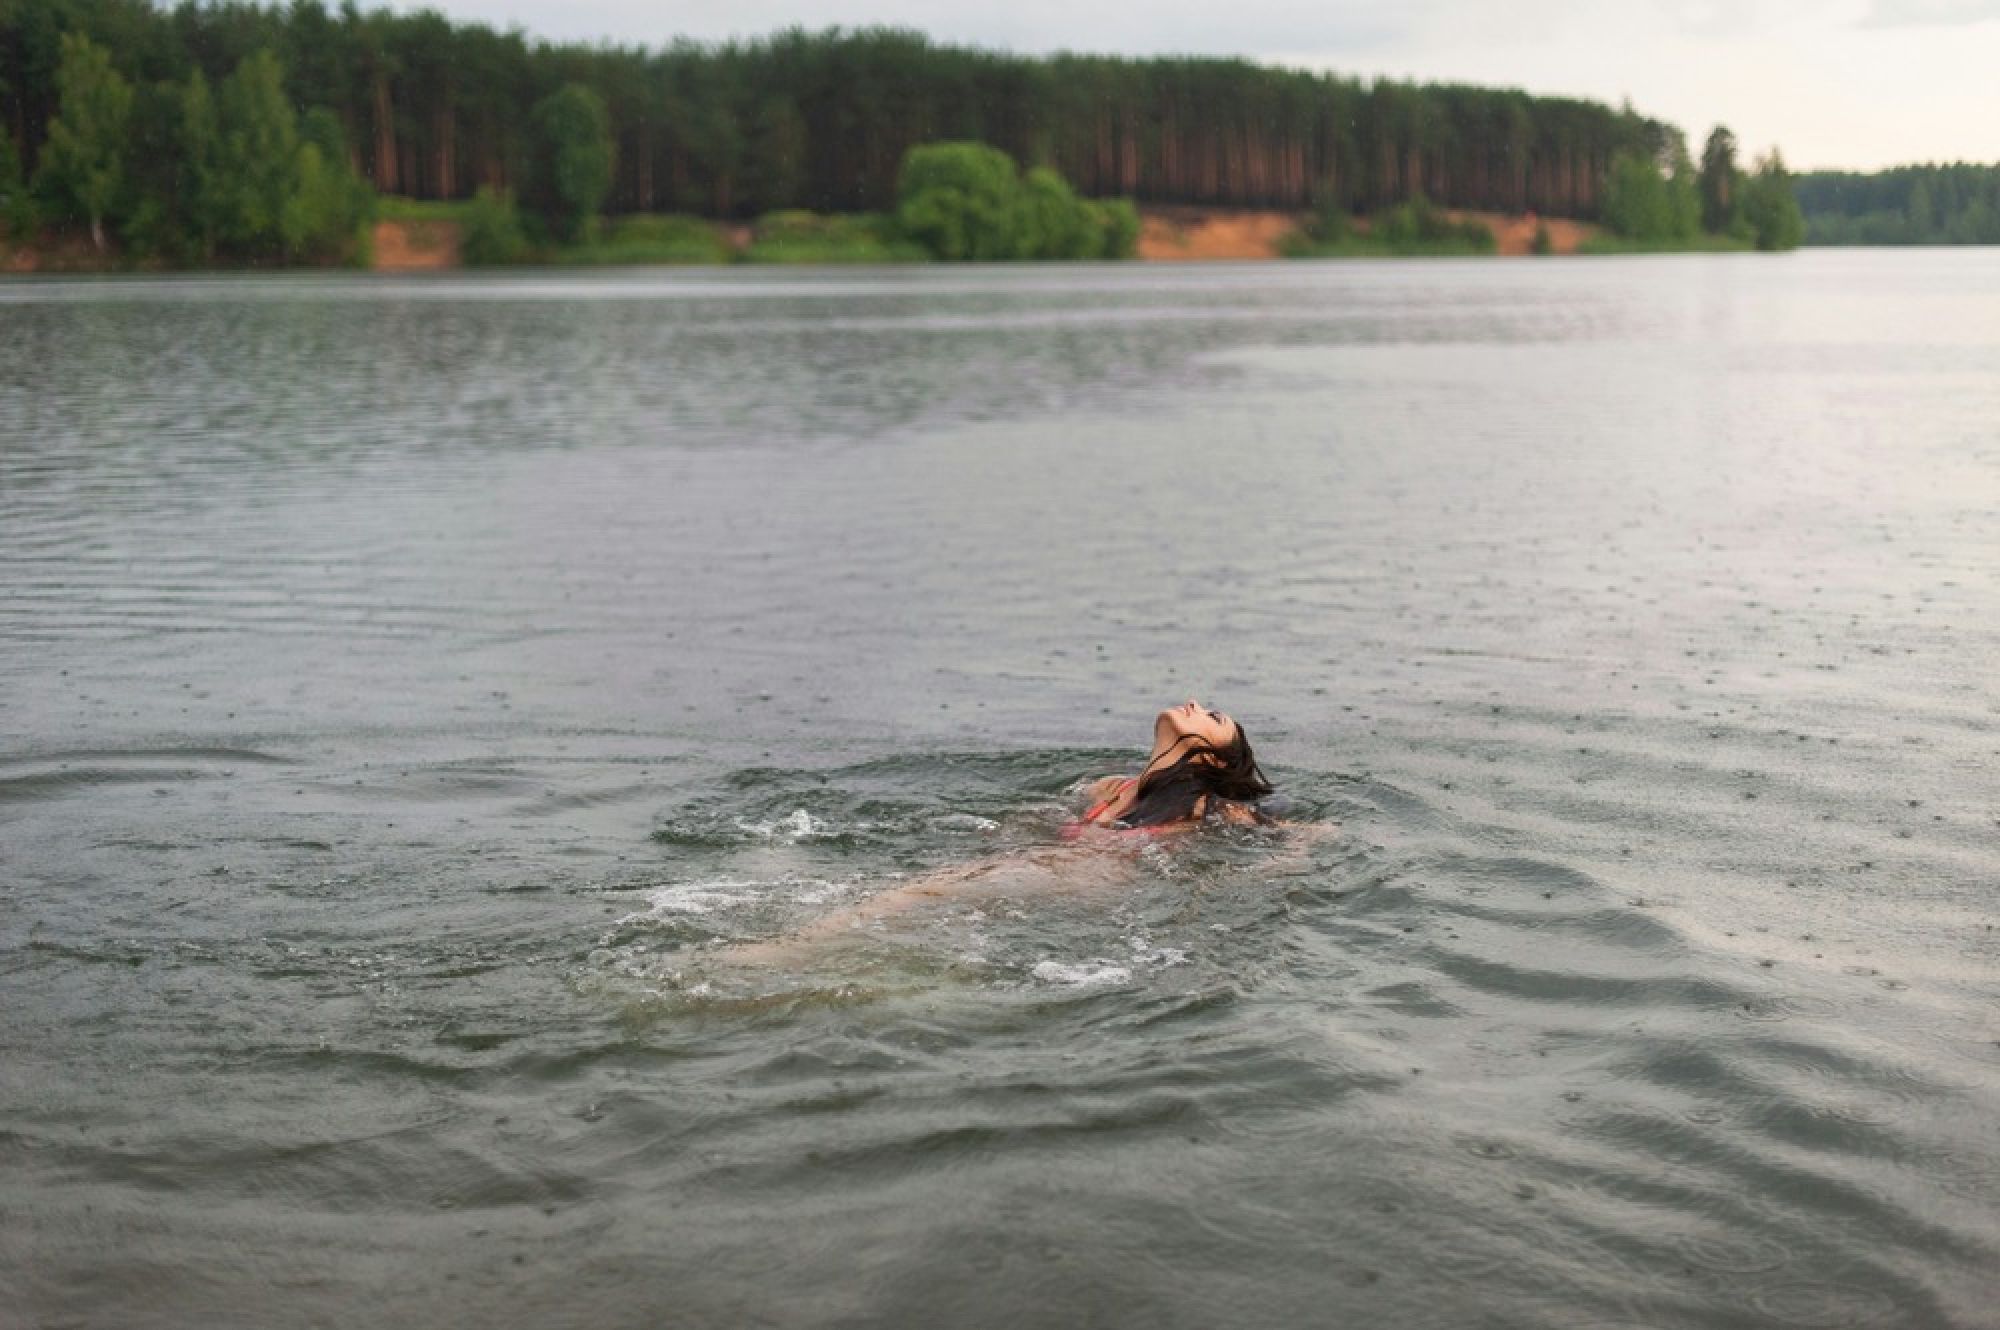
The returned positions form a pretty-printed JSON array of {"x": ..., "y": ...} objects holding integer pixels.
[
  {"x": 799, "y": 825},
  {"x": 964, "y": 822},
  {"x": 1087, "y": 974},
  {"x": 723, "y": 893},
  {"x": 691, "y": 898},
  {"x": 1145, "y": 953}
]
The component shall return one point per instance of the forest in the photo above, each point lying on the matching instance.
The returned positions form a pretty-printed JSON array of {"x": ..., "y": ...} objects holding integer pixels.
[
  {"x": 1954, "y": 204},
  {"x": 431, "y": 109}
]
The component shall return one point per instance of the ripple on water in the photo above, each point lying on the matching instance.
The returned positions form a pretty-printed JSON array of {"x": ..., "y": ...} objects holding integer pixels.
[
  {"x": 1412, "y": 998},
  {"x": 1823, "y": 1305},
  {"x": 1968, "y": 1173},
  {"x": 1485, "y": 1147},
  {"x": 1734, "y": 1253},
  {"x": 1771, "y": 1008},
  {"x": 67, "y": 781},
  {"x": 1815, "y": 1063}
]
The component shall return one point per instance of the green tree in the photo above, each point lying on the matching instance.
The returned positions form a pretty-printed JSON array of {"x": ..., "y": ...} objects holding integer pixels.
[
  {"x": 329, "y": 206},
  {"x": 202, "y": 198},
  {"x": 433, "y": 108},
  {"x": 1642, "y": 204},
  {"x": 1922, "y": 213},
  {"x": 1683, "y": 191},
  {"x": 960, "y": 201},
  {"x": 257, "y": 168},
  {"x": 1420, "y": 226},
  {"x": 1635, "y": 199},
  {"x": 1770, "y": 208},
  {"x": 1719, "y": 181},
  {"x": 774, "y": 154},
  {"x": 17, "y": 205},
  {"x": 1936, "y": 203},
  {"x": 84, "y": 159},
  {"x": 577, "y": 157}
]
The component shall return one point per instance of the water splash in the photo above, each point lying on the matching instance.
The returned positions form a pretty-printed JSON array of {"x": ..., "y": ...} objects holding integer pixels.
[{"x": 797, "y": 826}]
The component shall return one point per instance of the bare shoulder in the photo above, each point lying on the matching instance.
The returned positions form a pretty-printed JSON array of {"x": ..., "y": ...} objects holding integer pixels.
[{"x": 1100, "y": 790}]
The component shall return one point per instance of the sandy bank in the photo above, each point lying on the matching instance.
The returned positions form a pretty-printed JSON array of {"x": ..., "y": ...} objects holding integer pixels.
[
  {"x": 1170, "y": 233},
  {"x": 414, "y": 246},
  {"x": 1212, "y": 233},
  {"x": 1516, "y": 234},
  {"x": 1166, "y": 233}
]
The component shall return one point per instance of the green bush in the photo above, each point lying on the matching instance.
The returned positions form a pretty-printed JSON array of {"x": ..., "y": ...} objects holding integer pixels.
[
  {"x": 968, "y": 201},
  {"x": 397, "y": 208},
  {"x": 1415, "y": 228},
  {"x": 796, "y": 236},
  {"x": 1330, "y": 224},
  {"x": 1053, "y": 222},
  {"x": 960, "y": 201},
  {"x": 1117, "y": 228},
  {"x": 1420, "y": 227},
  {"x": 651, "y": 238},
  {"x": 490, "y": 231}
]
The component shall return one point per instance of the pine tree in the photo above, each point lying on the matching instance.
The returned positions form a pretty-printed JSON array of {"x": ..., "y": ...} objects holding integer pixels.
[{"x": 1719, "y": 180}]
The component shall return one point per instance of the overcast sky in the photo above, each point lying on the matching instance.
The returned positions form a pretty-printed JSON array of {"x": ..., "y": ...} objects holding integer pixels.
[{"x": 1851, "y": 83}]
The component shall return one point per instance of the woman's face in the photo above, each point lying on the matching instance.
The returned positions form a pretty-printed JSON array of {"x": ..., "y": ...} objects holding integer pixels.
[{"x": 1190, "y": 719}]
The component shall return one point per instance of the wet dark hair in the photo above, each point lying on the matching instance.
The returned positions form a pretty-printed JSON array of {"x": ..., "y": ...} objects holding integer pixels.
[{"x": 1202, "y": 771}]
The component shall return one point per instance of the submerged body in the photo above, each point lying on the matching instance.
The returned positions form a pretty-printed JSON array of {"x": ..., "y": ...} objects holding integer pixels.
[{"x": 1200, "y": 769}]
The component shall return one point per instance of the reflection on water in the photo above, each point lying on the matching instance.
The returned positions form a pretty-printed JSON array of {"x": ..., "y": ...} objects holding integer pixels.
[{"x": 414, "y": 689}]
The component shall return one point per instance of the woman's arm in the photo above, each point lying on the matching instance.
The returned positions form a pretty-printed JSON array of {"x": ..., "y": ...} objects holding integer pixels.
[{"x": 1054, "y": 868}]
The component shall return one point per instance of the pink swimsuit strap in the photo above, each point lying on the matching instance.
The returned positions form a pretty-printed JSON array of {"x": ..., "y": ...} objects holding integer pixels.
[
  {"x": 1089, "y": 819},
  {"x": 1091, "y": 816}
]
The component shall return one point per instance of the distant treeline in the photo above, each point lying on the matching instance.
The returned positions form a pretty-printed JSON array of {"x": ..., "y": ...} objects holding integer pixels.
[
  {"x": 1955, "y": 204},
  {"x": 432, "y": 109}
]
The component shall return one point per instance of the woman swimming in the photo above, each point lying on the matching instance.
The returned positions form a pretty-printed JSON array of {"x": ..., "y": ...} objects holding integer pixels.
[
  {"x": 1201, "y": 766},
  {"x": 1201, "y": 769}
]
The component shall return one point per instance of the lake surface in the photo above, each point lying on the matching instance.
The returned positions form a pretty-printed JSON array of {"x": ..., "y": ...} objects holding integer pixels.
[{"x": 411, "y": 691}]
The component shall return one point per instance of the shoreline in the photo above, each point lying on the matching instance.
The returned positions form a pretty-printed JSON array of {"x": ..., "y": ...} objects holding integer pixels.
[{"x": 1169, "y": 233}]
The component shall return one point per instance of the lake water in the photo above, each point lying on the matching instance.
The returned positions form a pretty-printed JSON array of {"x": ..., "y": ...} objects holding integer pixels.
[{"x": 410, "y": 689}]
